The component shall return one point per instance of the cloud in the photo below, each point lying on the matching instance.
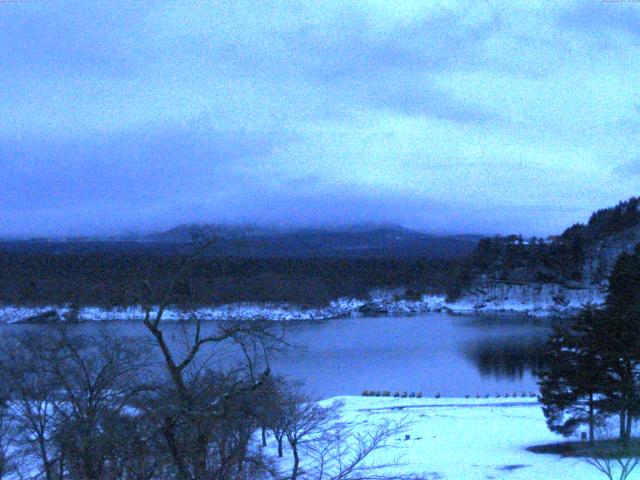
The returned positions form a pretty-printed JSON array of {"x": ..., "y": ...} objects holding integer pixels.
[
  {"x": 630, "y": 167},
  {"x": 68, "y": 38},
  {"x": 440, "y": 115}
]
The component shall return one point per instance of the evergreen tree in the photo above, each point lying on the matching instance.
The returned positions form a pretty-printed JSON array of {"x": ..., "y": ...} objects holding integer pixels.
[
  {"x": 619, "y": 340},
  {"x": 594, "y": 363},
  {"x": 624, "y": 283},
  {"x": 571, "y": 386}
]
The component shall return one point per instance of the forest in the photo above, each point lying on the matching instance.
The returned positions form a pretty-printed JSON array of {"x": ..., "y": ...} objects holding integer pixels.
[
  {"x": 111, "y": 274},
  {"x": 111, "y": 280}
]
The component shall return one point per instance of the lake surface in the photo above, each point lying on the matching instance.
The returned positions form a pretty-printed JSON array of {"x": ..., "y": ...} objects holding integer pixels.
[
  {"x": 431, "y": 353},
  {"x": 453, "y": 355}
]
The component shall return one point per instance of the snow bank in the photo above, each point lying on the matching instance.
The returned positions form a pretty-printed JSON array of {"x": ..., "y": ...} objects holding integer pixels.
[
  {"x": 533, "y": 299},
  {"x": 276, "y": 312}
]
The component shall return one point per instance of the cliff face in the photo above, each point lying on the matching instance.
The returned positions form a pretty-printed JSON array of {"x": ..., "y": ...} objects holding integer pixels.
[
  {"x": 549, "y": 298},
  {"x": 601, "y": 256},
  {"x": 562, "y": 273},
  {"x": 531, "y": 298}
]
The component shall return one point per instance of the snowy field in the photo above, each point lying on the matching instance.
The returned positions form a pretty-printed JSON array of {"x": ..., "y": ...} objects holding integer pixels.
[{"x": 467, "y": 439}]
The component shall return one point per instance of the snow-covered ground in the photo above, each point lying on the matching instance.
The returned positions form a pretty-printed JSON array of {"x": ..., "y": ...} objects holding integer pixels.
[
  {"x": 465, "y": 439},
  {"x": 238, "y": 311},
  {"x": 534, "y": 300}
]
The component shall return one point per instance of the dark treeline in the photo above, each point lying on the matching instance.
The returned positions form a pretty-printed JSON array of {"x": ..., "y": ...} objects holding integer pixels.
[
  {"x": 512, "y": 259},
  {"x": 116, "y": 279},
  {"x": 607, "y": 221}
]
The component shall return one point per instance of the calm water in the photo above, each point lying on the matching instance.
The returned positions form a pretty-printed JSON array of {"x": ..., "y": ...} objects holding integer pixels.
[{"x": 432, "y": 353}]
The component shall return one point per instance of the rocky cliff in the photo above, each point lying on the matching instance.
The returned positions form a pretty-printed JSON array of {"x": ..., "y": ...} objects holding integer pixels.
[
  {"x": 559, "y": 273},
  {"x": 537, "y": 299},
  {"x": 601, "y": 256}
]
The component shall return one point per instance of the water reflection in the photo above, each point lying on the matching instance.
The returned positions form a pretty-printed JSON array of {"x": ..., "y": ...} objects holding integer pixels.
[
  {"x": 507, "y": 357},
  {"x": 434, "y": 353}
]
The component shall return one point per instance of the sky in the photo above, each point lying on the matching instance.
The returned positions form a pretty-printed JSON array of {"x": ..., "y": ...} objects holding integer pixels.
[{"x": 447, "y": 117}]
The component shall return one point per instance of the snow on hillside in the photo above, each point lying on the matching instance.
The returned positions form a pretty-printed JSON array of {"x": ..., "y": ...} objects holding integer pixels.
[
  {"x": 537, "y": 299},
  {"x": 466, "y": 439}
]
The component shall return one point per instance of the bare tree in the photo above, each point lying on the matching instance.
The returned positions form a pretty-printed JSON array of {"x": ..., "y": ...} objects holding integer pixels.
[
  {"x": 616, "y": 460},
  {"x": 99, "y": 377},
  {"x": 304, "y": 422},
  {"x": 68, "y": 395},
  {"x": 344, "y": 452},
  {"x": 32, "y": 394},
  {"x": 8, "y": 464},
  {"x": 609, "y": 465},
  {"x": 325, "y": 448},
  {"x": 271, "y": 411},
  {"x": 203, "y": 409},
  {"x": 89, "y": 407}
]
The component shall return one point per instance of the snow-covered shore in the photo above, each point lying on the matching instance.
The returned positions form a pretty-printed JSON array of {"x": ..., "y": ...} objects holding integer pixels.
[
  {"x": 452, "y": 438},
  {"x": 533, "y": 300}
]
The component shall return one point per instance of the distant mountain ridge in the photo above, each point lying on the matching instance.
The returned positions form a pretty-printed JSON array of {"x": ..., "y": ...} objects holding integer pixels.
[
  {"x": 248, "y": 241},
  {"x": 186, "y": 232},
  {"x": 350, "y": 241}
]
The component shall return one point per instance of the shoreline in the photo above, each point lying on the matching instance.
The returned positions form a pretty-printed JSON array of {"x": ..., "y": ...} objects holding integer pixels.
[{"x": 342, "y": 308}]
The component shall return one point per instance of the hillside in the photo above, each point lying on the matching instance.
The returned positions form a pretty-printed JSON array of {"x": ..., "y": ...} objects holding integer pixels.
[{"x": 511, "y": 270}]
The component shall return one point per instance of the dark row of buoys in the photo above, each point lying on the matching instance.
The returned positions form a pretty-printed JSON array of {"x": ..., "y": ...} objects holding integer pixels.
[{"x": 387, "y": 393}]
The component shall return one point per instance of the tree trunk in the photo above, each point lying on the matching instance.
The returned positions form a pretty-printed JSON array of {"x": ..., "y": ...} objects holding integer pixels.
[
  {"x": 591, "y": 418},
  {"x": 201, "y": 454},
  {"x": 2, "y": 463},
  {"x": 243, "y": 448},
  {"x": 45, "y": 459},
  {"x": 296, "y": 462},
  {"x": 264, "y": 437},
  {"x": 167, "y": 431},
  {"x": 623, "y": 425},
  {"x": 280, "y": 449},
  {"x": 61, "y": 466}
]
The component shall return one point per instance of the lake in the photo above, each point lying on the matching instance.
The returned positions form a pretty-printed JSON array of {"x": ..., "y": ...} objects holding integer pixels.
[{"x": 453, "y": 355}]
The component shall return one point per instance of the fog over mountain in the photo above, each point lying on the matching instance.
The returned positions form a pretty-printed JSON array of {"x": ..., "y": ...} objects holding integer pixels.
[{"x": 446, "y": 117}]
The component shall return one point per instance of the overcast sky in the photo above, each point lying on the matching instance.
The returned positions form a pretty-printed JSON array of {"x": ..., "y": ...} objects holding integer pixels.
[{"x": 484, "y": 117}]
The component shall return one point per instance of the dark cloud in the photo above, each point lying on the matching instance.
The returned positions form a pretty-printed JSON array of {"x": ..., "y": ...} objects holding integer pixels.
[
  {"x": 600, "y": 19},
  {"x": 433, "y": 44},
  {"x": 134, "y": 168},
  {"x": 430, "y": 102}
]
